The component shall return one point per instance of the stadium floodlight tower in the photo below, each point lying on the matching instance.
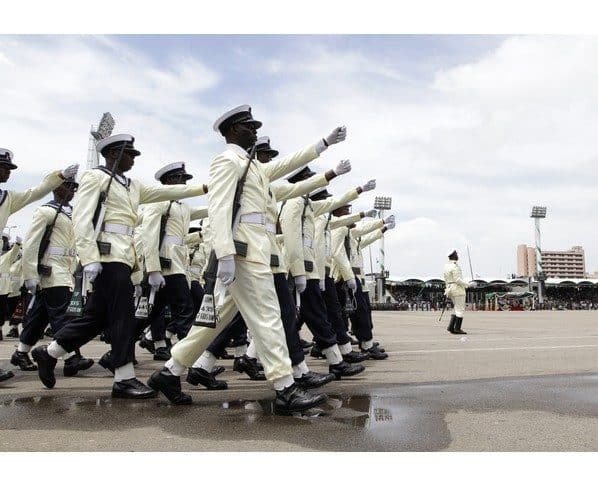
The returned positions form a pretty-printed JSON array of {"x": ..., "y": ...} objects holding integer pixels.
[
  {"x": 104, "y": 130},
  {"x": 381, "y": 203},
  {"x": 538, "y": 213}
]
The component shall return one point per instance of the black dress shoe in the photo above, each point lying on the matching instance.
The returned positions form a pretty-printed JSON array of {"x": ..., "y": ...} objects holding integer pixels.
[
  {"x": 145, "y": 343},
  {"x": 217, "y": 370},
  {"x": 245, "y": 364},
  {"x": 458, "y": 322},
  {"x": 316, "y": 352},
  {"x": 45, "y": 365},
  {"x": 345, "y": 369},
  {"x": 305, "y": 344},
  {"x": 355, "y": 357},
  {"x": 76, "y": 363},
  {"x": 132, "y": 388},
  {"x": 106, "y": 362},
  {"x": 199, "y": 376},
  {"x": 13, "y": 333},
  {"x": 376, "y": 353},
  {"x": 22, "y": 360},
  {"x": 5, "y": 375},
  {"x": 312, "y": 379},
  {"x": 296, "y": 399},
  {"x": 162, "y": 354},
  {"x": 170, "y": 385}
]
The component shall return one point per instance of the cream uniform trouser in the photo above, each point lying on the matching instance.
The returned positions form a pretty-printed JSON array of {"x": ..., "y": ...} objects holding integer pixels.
[
  {"x": 252, "y": 294},
  {"x": 458, "y": 304}
]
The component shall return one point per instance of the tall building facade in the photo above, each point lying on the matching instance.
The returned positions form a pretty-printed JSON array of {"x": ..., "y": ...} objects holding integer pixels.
[{"x": 556, "y": 264}]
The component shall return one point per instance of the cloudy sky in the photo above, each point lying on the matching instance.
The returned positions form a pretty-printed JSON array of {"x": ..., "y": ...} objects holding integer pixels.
[{"x": 466, "y": 133}]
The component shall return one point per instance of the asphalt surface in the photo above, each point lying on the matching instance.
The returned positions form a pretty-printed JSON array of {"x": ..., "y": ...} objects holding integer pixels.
[{"x": 520, "y": 381}]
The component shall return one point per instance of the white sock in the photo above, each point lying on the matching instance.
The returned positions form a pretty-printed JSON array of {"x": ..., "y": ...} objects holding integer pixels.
[
  {"x": 68, "y": 355},
  {"x": 23, "y": 348},
  {"x": 56, "y": 350},
  {"x": 240, "y": 350},
  {"x": 148, "y": 334},
  {"x": 206, "y": 361},
  {"x": 169, "y": 334},
  {"x": 367, "y": 344},
  {"x": 176, "y": 368},
  {"x": 282, "y": 383},
  {"x": 300, "y": 369},
  {"x": 333, "y": 355},
  {"x": 251, "y": 352},
  {"x": 160, "y": 344},
  {"x": 345, "y": 348},
  {"x": 125, "y": 372}
]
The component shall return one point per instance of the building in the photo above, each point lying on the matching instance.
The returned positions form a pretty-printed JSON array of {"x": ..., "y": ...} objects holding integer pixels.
[{"x": 555, "y": 264}]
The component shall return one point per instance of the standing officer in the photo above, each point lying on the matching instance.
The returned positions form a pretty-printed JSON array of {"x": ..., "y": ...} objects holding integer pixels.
[
  {"x": 49, "y": 262},
  {"x": 12, "y": 201},
  {"x": 164, "y": 230},
  {"x": 456, "y": 291},
  {"x": 108, "y": 258},
  {"x": 243, "y": 254}
]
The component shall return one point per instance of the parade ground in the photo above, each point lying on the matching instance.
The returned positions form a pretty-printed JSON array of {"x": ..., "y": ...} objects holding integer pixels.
[{"x": 519, "y": 381}]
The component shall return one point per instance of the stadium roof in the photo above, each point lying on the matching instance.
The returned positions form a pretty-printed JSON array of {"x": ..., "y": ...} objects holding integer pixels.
[{"x": 494, "y": 281}]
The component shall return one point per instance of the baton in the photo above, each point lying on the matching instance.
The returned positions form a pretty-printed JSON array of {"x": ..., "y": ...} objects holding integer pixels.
[
  {"x": 31, "y": 302},
  {"x": 443, "y": 309},
  {"x": 150, "y": 300},
  {"x": 297, "y": 300}
]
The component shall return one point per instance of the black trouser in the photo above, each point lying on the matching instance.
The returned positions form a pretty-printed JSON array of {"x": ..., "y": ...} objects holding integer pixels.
[
  {"x": 11, "y": 306},
  {"x": 335, "y": 311},
  {"x": 313, "y": 312},
  {"x": 236, "y": 331},
  {"x": 366, "y": 296},
  {"x": 177, "y": 295},
  {"x": 3, "y": 308},
  {"x": 49, "y": 307},
  {"x": 288, "y": 315},
  {"x": 109, "y": 306},
  {"x": 361, "y": 319},
  {"x": 196, "y": 296}
]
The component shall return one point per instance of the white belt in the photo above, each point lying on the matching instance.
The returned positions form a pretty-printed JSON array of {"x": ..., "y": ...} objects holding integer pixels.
[
  {"x": 195, "y": 268},
  {"x": 119, "y": 229},
  {"x": 61, "y": 251},
  {"x": 172, "y": 240},
  {"x": 257, "y": 218},
  {"x": 271, "y": 227},
  {"x": 15, "y": 279},
  {"x": 307, "y": 242}
]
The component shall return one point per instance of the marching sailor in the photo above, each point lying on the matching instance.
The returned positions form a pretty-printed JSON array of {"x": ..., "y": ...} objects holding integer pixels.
[{"x": 456, "y": 291}]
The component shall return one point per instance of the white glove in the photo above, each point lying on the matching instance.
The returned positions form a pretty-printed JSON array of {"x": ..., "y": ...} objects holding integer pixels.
[
  {"x": 92, "y": 270},
  {"x": 31, "y": 285},
  {"x": 369, "y": 186},
  {"x": 323, "y": 285},
  {"x": 390, "y": 225},
  {"x": 337, "y": 135},
  {"x": 352, "y": 284},
  {"x": 389, "y": 219},
  {"x": 19, "y": 240},
  {"x": 300, "y": 283},
  {"x": 371, "y": 213},
  {"x": 343, "y": 167},
  {"x": 156, "y": 280},
  {"x": 70, "y": 172},
  {"x": 138, "y": 291},
  {"x": 226, "y": 269}
]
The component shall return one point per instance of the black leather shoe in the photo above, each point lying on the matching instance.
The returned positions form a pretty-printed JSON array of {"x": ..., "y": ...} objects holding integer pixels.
[
  {"x": 170, "y": 385},
  {"x": 245, "y": 364},
  {"x": 106, "y": 362},
  {"x": 375, "y": 353},
  {"x": 162, "y": 354},
  {"x": 305, "y": 344},
  {"x": 451, "y": 326},
  {"x": 145, "y": 343},
  {"x": 22, "y": 360},
  {"x": 199, "y": 376},
  {"x": 458, "y": 322},
  {"x": 13, "y": 333},
  {"x": 376, "y": 344},
  {"x": 132, "y": 388},
  {"x": 217, "y": 370},
  {"x": 45, "y": 365},
  {"x": 345, "y": 369},
  {"x": 296, "y": 399},
  {"x": 316, "y": 352},
  {"x": 312, "y": 379},
  {"x": 76, "y": 363},
  {"x": 5, "y": 375},
  {"x": 355, "y": 357}
]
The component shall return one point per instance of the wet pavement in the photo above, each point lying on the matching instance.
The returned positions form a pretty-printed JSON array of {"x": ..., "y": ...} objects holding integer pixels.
[{"x": 379, "y": 410}]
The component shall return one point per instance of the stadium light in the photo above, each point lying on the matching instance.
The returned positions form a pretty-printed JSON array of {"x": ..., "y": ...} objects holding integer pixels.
[
  {"x": 538, "y": 213},
  {"x": 104, "y": 128},
  {"x": 382, "y": 203}
]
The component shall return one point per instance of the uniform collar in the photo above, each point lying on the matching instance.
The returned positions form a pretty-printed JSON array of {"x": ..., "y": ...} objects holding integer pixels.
[{"x": 240, "y": 151}]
